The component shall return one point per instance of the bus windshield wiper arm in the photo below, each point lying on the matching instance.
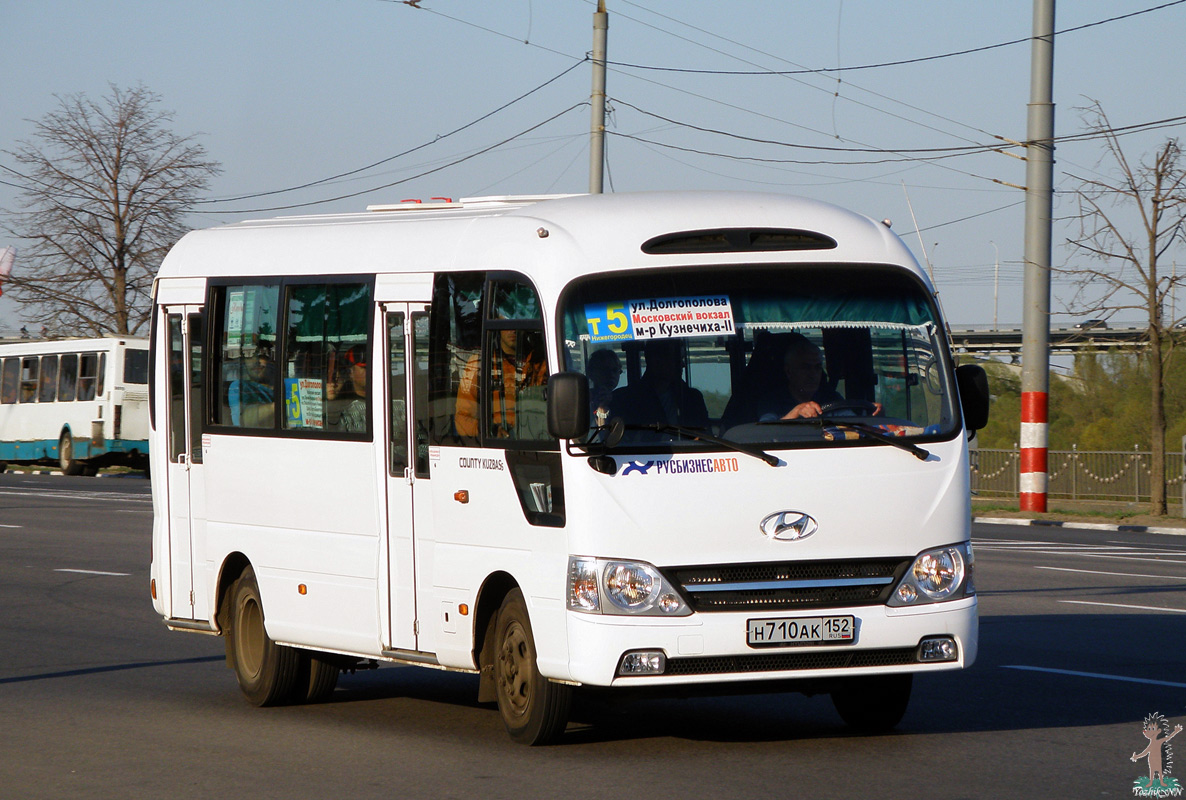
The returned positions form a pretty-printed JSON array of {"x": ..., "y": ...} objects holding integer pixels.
[
  {"x": 861, "y": 427},
  {"x": 880, "y": 436},
  {"x": 700, "y": 434}
]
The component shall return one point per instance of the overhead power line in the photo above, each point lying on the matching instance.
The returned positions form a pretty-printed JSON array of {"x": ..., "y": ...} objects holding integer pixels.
[
  {"x": 453, "y": 163},
  {"x": 909, "y": 153},
  {"x": 901, "y": 62},
  {"x": 388, "y": 159}
]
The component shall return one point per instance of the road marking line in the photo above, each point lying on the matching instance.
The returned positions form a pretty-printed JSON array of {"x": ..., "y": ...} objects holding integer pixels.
[
  {"x": 1117, "y": 574},
  {"x": 1152, "y": 557},
  {"x": 128, "y": 497},
  {"x": 1124, "y": 605},
  {"x": 1095, "y": 675},
  {"x": 10, "y": 526},
  {"x": 95, "y": 572}
]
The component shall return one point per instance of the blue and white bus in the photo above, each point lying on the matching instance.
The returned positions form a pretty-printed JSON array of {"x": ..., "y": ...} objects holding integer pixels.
[{"x": 79, "y": 403}]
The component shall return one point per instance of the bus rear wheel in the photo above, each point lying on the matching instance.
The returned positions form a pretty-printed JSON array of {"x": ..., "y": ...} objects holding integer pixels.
[
  {"x": 267, "y": 672},
  {"x": 316, "y": 678},
  {"x": 66, "y": 459},
  {"x": 873, "y": 704},
  {"x": 533, "y": 708}
]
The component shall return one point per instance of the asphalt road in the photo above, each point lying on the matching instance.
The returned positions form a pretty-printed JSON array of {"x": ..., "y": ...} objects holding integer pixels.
[{"x": 1081, "y": 638}]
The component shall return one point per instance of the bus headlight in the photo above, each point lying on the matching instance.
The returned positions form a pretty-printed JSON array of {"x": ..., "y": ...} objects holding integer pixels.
[
  {"x": 601, "y": 586},
  {"x": 944, "y": 573}
]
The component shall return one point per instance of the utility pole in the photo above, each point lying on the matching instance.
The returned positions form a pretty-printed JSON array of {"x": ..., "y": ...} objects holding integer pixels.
[
  {"x": 597, "y": 99},
  {"x": 1039, "y": 205},
  {"x": 996, "y": 282}
]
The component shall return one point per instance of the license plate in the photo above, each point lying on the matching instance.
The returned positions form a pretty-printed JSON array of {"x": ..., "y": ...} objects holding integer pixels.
[{"x": 799, "y": 630}]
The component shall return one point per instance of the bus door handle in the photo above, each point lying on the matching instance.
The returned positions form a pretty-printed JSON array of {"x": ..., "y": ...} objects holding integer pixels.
[{"x": 183, "y": 460}]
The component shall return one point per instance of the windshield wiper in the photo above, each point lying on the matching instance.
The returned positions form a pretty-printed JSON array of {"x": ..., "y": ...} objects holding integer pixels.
[
  {"x": 881, "y": 436},
  {"x": 861, "y": 427},
  {"x": 701, "y": 435}
]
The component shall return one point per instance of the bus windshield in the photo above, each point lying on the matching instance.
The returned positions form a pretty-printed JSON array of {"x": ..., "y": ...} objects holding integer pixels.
[{"x": 770, "y": 355}]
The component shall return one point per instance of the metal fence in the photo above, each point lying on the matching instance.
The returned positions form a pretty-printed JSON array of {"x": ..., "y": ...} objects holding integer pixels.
[{"x": 1079, "y": 474}]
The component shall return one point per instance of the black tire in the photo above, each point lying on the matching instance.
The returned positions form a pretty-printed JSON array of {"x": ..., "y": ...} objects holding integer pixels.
[
  {"x": 66, "y": 460},
  {"x": 873, "y": 704},
  {"x": 267, "y": 672},
  {"x": 316, "y": 678},
  {"x": 533, "y": 708}
]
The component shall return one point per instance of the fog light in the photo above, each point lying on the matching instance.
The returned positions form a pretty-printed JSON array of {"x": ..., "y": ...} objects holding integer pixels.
[
  {"x": 643, "y": 662},
  {"x": 940, "y": 648}
]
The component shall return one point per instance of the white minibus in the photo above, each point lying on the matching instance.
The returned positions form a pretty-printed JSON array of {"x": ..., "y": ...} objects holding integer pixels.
[
  {"x": 686, "y": 441},
  {"x": 78, "y": 403}
]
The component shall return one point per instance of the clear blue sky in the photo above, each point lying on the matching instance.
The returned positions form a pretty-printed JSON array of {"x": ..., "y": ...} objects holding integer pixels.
[{"x": 287, "y": 92}]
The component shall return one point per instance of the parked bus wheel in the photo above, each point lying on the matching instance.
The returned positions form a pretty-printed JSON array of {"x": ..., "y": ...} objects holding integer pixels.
[
  {"x": 66, "y": 459},
  {"x": 873, "y": 704},
  {"x": 267, "y": 672},
  {"x": 533, "y": 708},
  {"x": 316, "y": 679}
]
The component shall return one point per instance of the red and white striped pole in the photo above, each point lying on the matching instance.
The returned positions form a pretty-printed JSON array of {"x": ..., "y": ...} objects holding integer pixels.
[
  {"x": 1039, "y": 201},
  {"x": 1033, "y": 451}
]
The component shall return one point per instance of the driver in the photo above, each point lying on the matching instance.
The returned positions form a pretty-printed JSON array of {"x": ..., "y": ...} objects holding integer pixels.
[{"x": 804, "y": 393}]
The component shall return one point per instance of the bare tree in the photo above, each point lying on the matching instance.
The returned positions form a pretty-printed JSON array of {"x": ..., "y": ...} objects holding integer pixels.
[
  {"x": 1129, "y": 220},
  {"x": 104, "y": 187}
]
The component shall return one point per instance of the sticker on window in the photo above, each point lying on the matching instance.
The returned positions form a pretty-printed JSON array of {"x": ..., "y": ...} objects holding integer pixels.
[
  {"x": 660, "y": 318},
  {"x": 303, "y": 403}
]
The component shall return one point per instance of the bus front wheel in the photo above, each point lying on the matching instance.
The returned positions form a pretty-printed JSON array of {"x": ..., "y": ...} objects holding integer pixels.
[
  {"x": 874, "y": 703},
  {"x": 66, "y": 459},
  {"x": 267, "y": 672},
  {"x": 533, "y": 708}
]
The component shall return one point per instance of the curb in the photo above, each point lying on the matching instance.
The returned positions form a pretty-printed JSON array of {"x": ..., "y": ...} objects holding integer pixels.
[{"x": 1091, "y": 526}]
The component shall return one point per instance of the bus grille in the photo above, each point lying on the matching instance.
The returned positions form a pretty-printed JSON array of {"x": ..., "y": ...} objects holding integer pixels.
[
  {"x": 783, "y": 662},
  {"x": 786, "y": 586}
]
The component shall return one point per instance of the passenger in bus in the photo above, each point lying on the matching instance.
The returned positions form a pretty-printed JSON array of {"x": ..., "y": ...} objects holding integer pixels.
[
  {"x": 250, "y": 394},
  {"x": 661, "y": 396},
  {"x": 604, "y": 370},
  {"x": 350, "y": 384},
  {"x": 803, "y": 393},
  {"x": 520, "y": 367}
]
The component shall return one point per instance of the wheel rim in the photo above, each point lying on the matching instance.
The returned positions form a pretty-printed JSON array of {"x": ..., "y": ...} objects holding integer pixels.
[
  {"x": 249, "y": 637},
  {"x": 514, "y": 661},
  {"x": 65, "y": 451}
]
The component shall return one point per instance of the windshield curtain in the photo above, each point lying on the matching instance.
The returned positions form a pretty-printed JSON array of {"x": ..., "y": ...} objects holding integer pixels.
[{"x": 735, "y": 351}]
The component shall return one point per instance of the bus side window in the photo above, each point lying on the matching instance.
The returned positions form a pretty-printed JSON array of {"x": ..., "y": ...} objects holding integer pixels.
[
  {"x": 29, "y": 379},
  {"x": 420, "y": 405},
  {"x": 135, "y": 366},
  {"x": 48, "y": 390},
  {"x": 176, "y": 389},
  {"x": 67, "y": 378},
  {"x": 516, "y": 363},
  {"x": 88, "y": 376},
  {"x": 245, "y": 377},
  {"x": 455, "y": 348},
  {"x": 398, "y": 392},
  {"x": 328, "y": 346},
  {"x": 9, "y": 380}
]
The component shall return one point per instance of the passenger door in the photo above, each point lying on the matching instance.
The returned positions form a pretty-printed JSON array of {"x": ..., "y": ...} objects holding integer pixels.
[
  {"x": 408, "y": 506},
  {"x": 185, "y": 479}
]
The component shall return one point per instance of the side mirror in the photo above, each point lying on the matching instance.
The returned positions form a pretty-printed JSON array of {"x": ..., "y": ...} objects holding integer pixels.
[
  {"x": 972, "y": 381},
  {"x": 568, "y": 405}
]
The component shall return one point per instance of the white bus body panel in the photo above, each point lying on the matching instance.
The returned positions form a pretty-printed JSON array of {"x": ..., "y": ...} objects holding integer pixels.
[{"x": 315, "y": 514}]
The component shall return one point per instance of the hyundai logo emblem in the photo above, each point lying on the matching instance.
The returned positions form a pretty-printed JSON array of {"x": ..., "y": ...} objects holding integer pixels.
[{"x": 788, "y": 526}]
